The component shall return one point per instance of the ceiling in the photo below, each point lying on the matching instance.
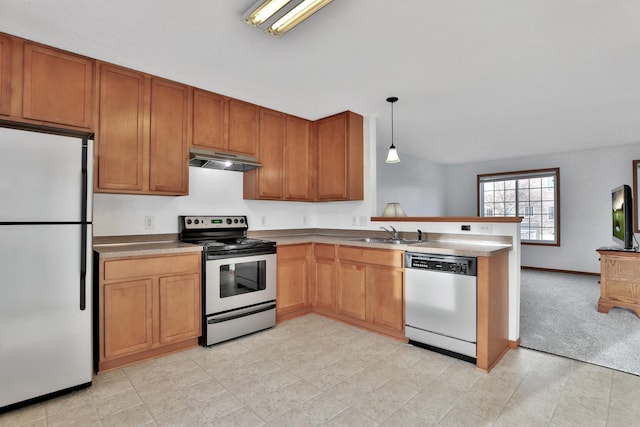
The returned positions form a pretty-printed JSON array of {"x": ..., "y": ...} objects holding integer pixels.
[{"x": 476, "y": 80}]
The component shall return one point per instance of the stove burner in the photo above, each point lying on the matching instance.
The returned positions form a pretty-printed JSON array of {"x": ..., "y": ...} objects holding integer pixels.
[{"x": 221, "y": 235}]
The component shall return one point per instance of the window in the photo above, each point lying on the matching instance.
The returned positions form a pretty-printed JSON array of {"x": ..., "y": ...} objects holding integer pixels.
[{"x": 533, "y": 195}]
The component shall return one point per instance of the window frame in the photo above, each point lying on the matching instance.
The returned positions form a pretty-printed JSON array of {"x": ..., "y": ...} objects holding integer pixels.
[{"x": 525, "y": 174}]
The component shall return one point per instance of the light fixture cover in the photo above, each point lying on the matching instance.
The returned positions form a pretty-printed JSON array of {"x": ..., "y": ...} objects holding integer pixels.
[
  {"x": 393, "y": 209},
  {"x": 280, "y": 16},
  {"x": 392, "y": 157}
]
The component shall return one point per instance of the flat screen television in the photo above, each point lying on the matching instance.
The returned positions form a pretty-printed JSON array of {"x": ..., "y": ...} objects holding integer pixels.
[{"x": 622, "y": 216}]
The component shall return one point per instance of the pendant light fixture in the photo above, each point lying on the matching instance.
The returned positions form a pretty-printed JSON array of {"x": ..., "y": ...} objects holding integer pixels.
[{"x": 392, "y": 157}]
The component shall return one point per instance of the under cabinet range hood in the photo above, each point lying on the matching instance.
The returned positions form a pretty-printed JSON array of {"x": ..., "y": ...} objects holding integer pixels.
[{"x": 202, "y": 158}]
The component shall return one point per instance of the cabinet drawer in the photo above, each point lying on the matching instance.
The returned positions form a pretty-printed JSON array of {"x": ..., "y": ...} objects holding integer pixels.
[
  {"x": 155, "y": 266},
  {"x": 292, "y": 251},
  {"x": 371, "y": 256},
  {"x": 324, "y": 251}
]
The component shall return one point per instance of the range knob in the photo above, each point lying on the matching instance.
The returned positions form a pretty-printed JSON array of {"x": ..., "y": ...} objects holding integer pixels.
[
  {"x": 197, "y": 221},
  {"x": 235, "y": 221},
  {"x": 189, "y": 221},
  {"x": 241, "y": 220},
  {"x": 229, "y": 221}
]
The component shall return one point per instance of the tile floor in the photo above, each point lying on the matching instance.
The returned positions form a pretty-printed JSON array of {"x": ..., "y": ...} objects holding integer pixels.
[{"x": 314, "y": 371}]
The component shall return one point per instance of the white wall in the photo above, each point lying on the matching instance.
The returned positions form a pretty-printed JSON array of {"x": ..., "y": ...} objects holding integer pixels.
[
  {"x": 417, "y": 184},
  {"x": 586, "y": 180}
]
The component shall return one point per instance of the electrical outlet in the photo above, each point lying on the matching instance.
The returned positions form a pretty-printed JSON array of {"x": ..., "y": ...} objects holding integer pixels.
[
  {"x": 263, "y": 221},
  {"x": 148, "y": 222},
  {"x": 485, "y": 228},
  {"x": 354, "y": 220},
  {"x": 362, "y": 220}
]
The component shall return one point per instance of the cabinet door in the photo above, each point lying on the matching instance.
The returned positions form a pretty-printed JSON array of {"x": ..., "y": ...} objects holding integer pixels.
[
  {"x": 120, "y": 136},
  {"x": 385, "y": 297},
  {"x": 180, "y": 307},
  {"x": 209, "y": 120},
  {"x": 298, "y": 160},
  {"x": 243, "y": 127},
  {"x": 292, "y": 278},
  {"x": 351, "y": 290},
  {"x": 270, "y": 154},
  {"x": 58, "y": 87},
  {"x": 6, "y": 54},
  {"x": 169, "y": 144},
  {"x": 127, "y": 317},
  {"x": 325, "y": 271},
  {"x": 332, "y": 158}
]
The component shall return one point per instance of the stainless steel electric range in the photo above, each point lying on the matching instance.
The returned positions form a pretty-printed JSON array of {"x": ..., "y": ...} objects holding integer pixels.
[{"x": 238, "y": 276}]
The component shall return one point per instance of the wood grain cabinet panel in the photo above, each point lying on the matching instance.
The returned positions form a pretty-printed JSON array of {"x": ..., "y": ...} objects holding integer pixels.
[
  {"x": 243, "y": 127},
  {"x": 144, "y": 127},
  {"x": 57, "y": 86},
  {"x": 127, "y": 317},
  {"x": 270, "y": 181},
  {"x": 147, "y": 306},
  {"x": 340, "y": 157},
  {"x": 6, "y": 56},
  {"x": 619, "y": 281},
  {"x": 324, "y": 296},
  {"x": 169, "y": 138},
  {"x": 351, "y": 290},
  {"x": 210, "y": 120},
  {"x": 385, "y": 297},
  {"x": 179, "y": 307},
  {"x": 293, "y": 272},
  {"x": 299, "y": 172},
  {"x": 285, "y": 150},
  {"x": 120, "y": 136}
]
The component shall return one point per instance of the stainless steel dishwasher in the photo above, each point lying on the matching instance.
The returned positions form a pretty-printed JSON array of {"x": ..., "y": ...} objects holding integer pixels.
[{"x": 440, "y": 301}]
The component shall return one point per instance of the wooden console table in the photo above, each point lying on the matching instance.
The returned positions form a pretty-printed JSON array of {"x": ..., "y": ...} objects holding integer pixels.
[{"x": 619, "y": 280}]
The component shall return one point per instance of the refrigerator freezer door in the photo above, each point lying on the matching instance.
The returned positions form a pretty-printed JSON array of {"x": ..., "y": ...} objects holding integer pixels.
[
  {"x": 41, "y": 176},
  {"x": 45, "y": 338}
]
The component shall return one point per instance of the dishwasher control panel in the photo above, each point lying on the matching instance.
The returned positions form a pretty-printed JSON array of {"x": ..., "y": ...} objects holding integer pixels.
[{"x": 441, "y": 263}]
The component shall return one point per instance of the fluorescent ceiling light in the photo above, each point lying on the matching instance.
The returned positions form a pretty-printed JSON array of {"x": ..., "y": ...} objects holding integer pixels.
[
  {"x": 264, "y": 11},
  {"x": 280, "y": 16}
]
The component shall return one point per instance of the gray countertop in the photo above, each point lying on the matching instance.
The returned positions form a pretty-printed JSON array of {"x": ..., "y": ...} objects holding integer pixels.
[
  {"x": 116, "y": 250},
  {"x": 110, "y": 247},
  {"x": 449, "y": 247}
]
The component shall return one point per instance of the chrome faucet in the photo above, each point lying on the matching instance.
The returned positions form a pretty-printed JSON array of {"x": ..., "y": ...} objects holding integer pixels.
[{"x": 394, "y": 233}]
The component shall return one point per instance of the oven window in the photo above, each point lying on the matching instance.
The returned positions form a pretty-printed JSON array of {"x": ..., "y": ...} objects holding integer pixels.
[{"x": 242, "y": 278}]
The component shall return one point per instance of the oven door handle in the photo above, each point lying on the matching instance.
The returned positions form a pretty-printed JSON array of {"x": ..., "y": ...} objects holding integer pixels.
[{"x": 236, "y": 314}]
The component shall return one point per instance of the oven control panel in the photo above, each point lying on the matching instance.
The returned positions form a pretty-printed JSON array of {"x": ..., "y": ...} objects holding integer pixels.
[{"x": 208, "y": 222}]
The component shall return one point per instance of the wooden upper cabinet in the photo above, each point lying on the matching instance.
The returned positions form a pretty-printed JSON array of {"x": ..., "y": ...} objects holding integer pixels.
[
  {"x": 210, "y": 120},
  {"x": 298, "y": 160},
  {"x": 340, "y": 157},
  {"x": 169, "y": 137},
  {"x": 271, "y": 154},
  {"x": 143, "y": 133},
  {"x": 57, "y": 86},
  {"x": 243, "y": 127},
  {"x": 6, "y": 56},
  {"x": 120, "y": 133}
]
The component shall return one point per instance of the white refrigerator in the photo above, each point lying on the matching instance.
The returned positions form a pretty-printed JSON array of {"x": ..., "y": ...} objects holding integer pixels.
[{"x": 45, "y": 265}]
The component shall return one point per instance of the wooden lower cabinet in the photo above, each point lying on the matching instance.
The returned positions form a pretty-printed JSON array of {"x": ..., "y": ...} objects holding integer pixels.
[
  {"x": 385, "y": 297},
  {"x": 147, "y": 306},
  {"x": 324, "y": 277},
  {"x": 351, "y": 290},
  {"x": 619, "y": 281},
  {"x": 293, "y": 274},
  {"x": 361, "y": 286}
]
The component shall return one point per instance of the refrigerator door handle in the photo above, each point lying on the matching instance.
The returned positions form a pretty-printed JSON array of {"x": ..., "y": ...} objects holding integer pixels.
[{"x": 83, "y": 232}]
